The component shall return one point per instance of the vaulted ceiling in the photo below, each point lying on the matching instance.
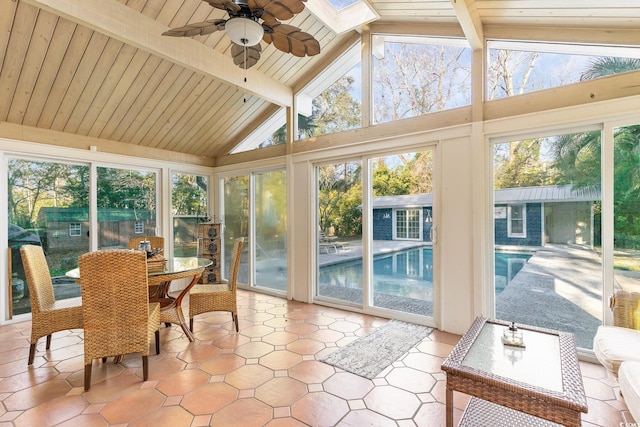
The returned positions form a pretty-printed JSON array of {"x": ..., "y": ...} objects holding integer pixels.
[{"x": 101, "y": 68}]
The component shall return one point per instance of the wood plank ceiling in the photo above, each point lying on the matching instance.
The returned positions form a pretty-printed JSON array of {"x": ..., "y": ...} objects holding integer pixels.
[{"x": 100, "y": 68}]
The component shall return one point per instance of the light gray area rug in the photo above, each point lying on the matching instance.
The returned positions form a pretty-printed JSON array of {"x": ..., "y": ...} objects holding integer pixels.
[{"x": 369, "y": 355}]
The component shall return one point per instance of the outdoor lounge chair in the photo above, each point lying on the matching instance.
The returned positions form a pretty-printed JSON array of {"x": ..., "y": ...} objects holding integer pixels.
[{"x": 323, "y": 238}]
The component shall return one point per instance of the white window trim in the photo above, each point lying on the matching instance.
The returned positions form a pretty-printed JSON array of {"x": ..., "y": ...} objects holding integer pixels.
[
  {"x": 137, "y": 225},
  {"x": 524, "y": 221}
]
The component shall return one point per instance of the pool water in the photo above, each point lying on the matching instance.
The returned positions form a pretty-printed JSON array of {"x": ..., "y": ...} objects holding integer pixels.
[
  {"x": 409, "y": 273},
  {"x": 507, "y": 265}
]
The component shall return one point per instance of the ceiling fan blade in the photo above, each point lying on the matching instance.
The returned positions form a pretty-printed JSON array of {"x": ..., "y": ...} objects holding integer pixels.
[
  {"x": 224, "y": 5},
  {"x": 197, "y": 29},
  {"x": 251, "y": 58},
  {"x": 290, "y": 39},
  {"x": 282, "y": 10}
]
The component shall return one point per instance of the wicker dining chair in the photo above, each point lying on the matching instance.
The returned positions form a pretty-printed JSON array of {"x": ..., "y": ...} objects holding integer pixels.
[
  {"x": 48, "y": 315},
  {"x": 155, "y": 241},
  {"x": 118, "y": 316},
  {"x": 205, "y": 298}
]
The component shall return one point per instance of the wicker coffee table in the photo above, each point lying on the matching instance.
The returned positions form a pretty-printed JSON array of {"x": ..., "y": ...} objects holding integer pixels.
[{"x": 542, "y": 379}]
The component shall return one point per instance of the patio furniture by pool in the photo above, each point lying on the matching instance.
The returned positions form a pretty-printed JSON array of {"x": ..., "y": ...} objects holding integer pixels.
[
  {"x": 118, "y": 316},
  {"x": 47, "y": 314},
  {"x": 323, "y": 238},
  {"x": 204, "y": 298},
  {"x": 614, "y": 344}
]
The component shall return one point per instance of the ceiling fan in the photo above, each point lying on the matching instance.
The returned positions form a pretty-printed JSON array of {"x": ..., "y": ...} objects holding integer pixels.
[{"x": 245, "y": 29}]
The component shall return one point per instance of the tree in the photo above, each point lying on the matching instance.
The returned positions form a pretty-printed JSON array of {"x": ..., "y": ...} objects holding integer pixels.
[
  {"x": 334, "y": 183},
  {"x": 509, "y": 72},
  {"x": 605, "y": 66},
  {"x": 189, "y": 195},
  {"x": 392, "y": 182},
  {"x": 413, "y": 79},
  {"x": 334, "y": 110},
  {"x": 33, "y": 185},
  {"x": 519, "y": 165}
]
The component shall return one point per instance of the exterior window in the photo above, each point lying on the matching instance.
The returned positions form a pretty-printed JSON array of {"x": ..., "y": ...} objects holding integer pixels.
[
  {"x": 407, "y": 224},
  {"x": 517, "y": 221},
  {"x": 138, "y": 227},
  {"x": 516, "y": 68},
  {"x": 75, "y": 229},
  {"x": 413, "y": 76}
]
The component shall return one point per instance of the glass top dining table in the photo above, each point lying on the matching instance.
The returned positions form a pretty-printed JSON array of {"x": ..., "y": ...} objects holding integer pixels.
[{"x": 159, "y": 282}]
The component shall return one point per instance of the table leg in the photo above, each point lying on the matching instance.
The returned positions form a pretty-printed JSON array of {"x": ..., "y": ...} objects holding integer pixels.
[
  {"x": 449, "y": 406},
  {"x": 172, "y": 313}
]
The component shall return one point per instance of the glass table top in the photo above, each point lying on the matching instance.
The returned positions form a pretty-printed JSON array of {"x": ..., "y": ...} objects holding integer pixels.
[
  {"x": 178, "y": 265},
  {"x": 538, "y": 364}
]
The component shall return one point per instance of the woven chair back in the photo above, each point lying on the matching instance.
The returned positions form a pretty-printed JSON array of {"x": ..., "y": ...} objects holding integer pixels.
[
  {"x": 38, "y": 277},
  {"x": 156, "y": 241},
  {"x": 626, "y": 309},
  {"x": 115, "y": 301},
  {"x": 235, "y": 263}
]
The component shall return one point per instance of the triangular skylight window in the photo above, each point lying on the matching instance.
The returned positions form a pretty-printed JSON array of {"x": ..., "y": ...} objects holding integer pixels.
[{"x": 342, "y": 15}]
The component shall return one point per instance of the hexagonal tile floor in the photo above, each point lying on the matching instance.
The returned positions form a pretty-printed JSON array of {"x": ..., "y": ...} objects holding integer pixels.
[{"x": 267, "y": 375}]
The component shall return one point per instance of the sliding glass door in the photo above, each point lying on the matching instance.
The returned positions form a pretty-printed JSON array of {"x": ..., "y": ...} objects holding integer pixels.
[
  {"x": 189, "y": 207},
  {"x": 402, "y": 220},
  {"x": 339, "y": 232},
  {"x": 626, "y": 208},
  {"x": 547, "y": 232},
  {"x": 255, "y": 207},
  {"x": 387, "y": 267}
]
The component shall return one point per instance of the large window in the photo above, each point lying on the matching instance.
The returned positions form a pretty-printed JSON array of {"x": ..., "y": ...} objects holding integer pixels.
[
  {"x": 189, "y": 207},
  {"x": 626, "y": 206},
  {"x": 402, "y": 264},
  {"x": 125, "y": 198},
  {"x": 339, "y": 232},
  {"x": 270, "y": 247},
  {"x": 548, "y": 242},
  {"x": 255, "y": 207},
  {"x": 516, "y": 68},
  {"x": 413, "y": 76},
  {"x": 332, "y": 102},
  {"x": 49, "y": 207},
  {"x": 236, "y": 221}
]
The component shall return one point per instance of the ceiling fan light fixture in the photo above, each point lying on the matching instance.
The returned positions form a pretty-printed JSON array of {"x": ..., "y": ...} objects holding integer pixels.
[{"x": 244, "y": 31}]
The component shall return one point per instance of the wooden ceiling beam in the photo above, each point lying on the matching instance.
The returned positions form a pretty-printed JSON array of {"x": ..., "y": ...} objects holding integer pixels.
[
  {"x": 470, "y": 22},
  {"x": 122, "y": 23}
]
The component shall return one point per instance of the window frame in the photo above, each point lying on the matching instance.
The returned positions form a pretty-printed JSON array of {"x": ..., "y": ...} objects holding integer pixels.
[{"x": 510, "y": 220}]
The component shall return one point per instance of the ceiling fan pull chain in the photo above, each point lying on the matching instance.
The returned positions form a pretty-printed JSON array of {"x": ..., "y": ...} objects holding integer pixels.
[{"x": 245, "y": 74}]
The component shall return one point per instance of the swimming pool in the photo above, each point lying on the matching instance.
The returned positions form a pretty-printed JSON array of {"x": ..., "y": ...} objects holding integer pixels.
[{"x": 406, "y": 274}]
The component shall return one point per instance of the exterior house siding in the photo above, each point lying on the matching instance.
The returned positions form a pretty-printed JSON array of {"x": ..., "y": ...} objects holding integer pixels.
[{"x": 533, "y": 231}]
